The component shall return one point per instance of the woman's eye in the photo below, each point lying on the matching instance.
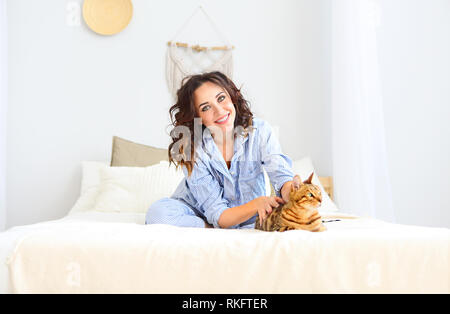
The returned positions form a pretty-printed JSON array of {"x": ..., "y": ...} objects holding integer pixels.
[
  {"x": 221, "y": 98},
  {"x": 205, "y": 108}
]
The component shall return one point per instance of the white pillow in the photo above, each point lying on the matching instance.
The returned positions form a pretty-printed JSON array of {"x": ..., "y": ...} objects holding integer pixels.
[
  {"x": 304, "y": 168},
  {"x": 90, "y": 183},
  {"x": 134, "y": 189},
  {"x": 94, "y": 171}
]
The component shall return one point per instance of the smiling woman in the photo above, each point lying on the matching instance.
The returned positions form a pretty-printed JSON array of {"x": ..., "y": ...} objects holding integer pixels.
[{"x": 224, "y": 184}]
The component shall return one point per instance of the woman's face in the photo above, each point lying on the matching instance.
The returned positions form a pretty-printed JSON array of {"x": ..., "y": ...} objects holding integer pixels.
[{"x": 214, "y": 106}]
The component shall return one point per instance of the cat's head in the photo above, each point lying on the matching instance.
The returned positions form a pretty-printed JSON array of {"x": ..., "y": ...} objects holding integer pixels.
[{"x": 305, "y": 194}]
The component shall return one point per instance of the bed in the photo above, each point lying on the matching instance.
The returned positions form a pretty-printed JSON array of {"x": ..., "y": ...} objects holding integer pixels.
[
  {"x": 116, "y": 253},
  {"x": 103, "y": 246}
]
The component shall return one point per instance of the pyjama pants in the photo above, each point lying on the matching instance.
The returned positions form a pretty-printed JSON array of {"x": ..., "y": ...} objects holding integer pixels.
[{"x": 170, "y": 211}]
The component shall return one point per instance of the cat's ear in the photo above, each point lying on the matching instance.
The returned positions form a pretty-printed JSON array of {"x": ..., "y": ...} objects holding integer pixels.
[
  {"x": 296, "y": 182},
  {"x": 308, "y": 181}
]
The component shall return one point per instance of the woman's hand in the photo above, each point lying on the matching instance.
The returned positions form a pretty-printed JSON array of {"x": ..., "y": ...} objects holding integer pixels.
[
  {"x": 264, "y": 204},
  {"x": 286, "y": 189}
]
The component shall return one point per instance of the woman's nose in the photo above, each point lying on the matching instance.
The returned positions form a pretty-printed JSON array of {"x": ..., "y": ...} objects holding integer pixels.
[{"x": 219, "y": 109}]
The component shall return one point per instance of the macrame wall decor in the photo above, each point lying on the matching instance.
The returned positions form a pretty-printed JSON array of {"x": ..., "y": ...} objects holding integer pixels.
[{"x": 183, "y": 59}]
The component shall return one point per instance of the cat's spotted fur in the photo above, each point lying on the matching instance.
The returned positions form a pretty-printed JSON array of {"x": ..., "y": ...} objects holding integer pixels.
[{"x": 299, "y": 213}]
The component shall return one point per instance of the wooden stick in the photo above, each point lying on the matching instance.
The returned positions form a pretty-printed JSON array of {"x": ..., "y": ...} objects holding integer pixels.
[{"x": 199, "y": 48}]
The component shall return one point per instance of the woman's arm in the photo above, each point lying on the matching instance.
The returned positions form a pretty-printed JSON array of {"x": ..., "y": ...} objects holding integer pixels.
[
  {"x": 261, "y": 205},
  {"x": 235, "y": 215},
  {"x": 277, "y": 165}
]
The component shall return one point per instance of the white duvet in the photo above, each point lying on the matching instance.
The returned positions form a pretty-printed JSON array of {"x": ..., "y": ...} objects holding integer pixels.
[{"x": 106, "y": 253}]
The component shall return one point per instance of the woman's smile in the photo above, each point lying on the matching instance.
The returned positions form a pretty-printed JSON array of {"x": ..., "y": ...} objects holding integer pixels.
[{"x": 223, "y": 119}]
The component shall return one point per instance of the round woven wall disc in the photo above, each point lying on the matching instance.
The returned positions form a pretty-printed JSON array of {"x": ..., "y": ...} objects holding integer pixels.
[{"x": 107, "y": 17}]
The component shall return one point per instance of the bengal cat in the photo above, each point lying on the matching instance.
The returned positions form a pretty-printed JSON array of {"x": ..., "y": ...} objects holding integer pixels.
[{"x": 299, "y": 213}]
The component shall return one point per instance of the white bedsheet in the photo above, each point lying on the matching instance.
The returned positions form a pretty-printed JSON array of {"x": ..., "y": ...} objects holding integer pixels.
[
  {"x": 83, "y": 253},
  {"x": 9, "y": 238}
]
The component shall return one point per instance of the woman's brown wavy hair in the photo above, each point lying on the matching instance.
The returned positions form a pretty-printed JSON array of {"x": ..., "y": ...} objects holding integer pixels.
[{"x": 183, "y": 113}]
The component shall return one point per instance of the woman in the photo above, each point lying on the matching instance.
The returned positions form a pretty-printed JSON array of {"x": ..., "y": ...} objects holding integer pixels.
[{"x": 222, "y": 150}]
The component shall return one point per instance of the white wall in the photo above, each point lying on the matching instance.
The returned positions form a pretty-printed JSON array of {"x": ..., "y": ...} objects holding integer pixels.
[
  {"x": 414, "y": 47},
  {"x": 3, "y": 109},
  {"x": 71, "y": 90}
]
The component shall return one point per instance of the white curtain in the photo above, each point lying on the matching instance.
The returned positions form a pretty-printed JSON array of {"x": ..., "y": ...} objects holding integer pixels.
[
  {"x": 360, "y": 168},
  {"x": 3, "y": 107}
]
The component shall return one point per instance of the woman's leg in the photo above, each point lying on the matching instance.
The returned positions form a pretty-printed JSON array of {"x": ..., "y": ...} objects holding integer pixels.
[{"x": 173, "y": 212}]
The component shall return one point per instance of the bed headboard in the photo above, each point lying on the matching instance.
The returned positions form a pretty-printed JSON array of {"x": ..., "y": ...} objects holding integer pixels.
[{"x": 327, "y": 183}]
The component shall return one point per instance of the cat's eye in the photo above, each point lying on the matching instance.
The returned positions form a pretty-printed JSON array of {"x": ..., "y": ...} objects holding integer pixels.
[{"x": 310, "y": 195}]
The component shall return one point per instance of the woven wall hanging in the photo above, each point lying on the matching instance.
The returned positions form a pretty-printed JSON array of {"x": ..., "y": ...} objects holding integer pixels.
[
  {"x": 183, "y": 59},
  {"x": 107, "y": 17}
]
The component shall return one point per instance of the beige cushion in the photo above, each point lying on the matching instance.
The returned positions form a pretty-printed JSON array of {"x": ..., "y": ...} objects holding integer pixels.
[{"x": 130, "y": 154}]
